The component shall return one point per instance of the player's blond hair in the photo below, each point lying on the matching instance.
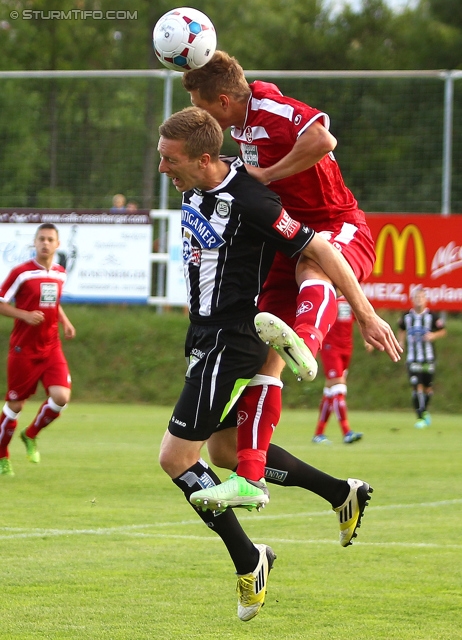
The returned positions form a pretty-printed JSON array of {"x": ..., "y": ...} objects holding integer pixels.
[
  {"x": 200, "y": 132},
  {"x": 222, "y": 74}
]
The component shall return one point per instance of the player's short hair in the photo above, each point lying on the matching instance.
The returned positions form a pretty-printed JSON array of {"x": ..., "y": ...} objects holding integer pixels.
[
  {"x": 222, "y": 74},
  {"x": 47, "y": 225},
  {"x": 200, "y": 132}
]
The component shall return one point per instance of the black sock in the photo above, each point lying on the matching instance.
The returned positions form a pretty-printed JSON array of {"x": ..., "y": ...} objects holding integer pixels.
[
  {"x": 428, "y": 397},
  {"x": 243, "y": 552},
  {"x": 285, "y": 469}
]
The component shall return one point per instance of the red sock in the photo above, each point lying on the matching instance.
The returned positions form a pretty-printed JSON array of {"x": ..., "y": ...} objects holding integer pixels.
[
  {"x": 316, "y": 312},
  {"x": 340, "y": 407},
  {"x": 325, "y": 409},
  {"x": 259, "y": 410},
  {"x": 8, "y": 423},
  {"x": 46, "y": 414}
]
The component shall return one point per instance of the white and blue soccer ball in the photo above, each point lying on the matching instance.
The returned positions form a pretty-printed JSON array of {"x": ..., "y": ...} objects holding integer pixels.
[{"x": 184, "y": 39}]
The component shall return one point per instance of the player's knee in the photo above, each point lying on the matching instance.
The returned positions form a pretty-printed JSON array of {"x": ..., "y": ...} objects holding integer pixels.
[{"x": 60, "y": 396}]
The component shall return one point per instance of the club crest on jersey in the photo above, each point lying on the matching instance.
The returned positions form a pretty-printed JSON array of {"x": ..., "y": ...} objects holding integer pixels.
[
  {"x": 200, "y": 228},
  {"x": 286, "y": 226},
  {"x": 248, "y": 134},
  {"x": 222, "y": 207}
]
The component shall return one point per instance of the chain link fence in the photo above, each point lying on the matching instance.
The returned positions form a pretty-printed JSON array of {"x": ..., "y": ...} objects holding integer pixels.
[{"x": 74, "y": 139}]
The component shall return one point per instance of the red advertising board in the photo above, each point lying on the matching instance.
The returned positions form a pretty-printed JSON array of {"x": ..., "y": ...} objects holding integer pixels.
[{"x": 416, "y": 250}]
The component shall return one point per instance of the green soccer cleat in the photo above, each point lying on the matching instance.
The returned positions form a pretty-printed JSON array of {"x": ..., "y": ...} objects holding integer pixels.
[
  {"x": 349, "y": 514},
  {"x": 288, "y": 345},
  {"x": 234, "y": 492},
  {"x": 427, "y": 417},
  {"x": 31, "y": 447},
  {"x": 321, "y": 439},
  {"x": 6, "y": 468},
  {"x": 251, "y": 587},
  {"x": 420, "y": 424}
]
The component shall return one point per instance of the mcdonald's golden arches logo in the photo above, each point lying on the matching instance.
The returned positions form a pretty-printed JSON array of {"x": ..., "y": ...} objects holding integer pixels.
[{"x": 400, "y": 241}]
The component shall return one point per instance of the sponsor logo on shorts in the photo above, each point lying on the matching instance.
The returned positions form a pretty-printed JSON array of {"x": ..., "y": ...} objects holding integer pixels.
[
  {"x": 286, "y": 226},
  {"x": 178, "y": 422},
  {"x": 198, "y": 353}
]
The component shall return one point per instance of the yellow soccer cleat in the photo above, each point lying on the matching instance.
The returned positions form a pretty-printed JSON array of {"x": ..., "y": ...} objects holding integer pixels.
[
  {"x": 351, "y": 511},
  {"x": 251, "y": 587}
]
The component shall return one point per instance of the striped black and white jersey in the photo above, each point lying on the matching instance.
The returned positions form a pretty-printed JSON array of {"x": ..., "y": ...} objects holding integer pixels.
[
  {"x": 416, "y": 326},
  {"x": 230, "y": 235}
]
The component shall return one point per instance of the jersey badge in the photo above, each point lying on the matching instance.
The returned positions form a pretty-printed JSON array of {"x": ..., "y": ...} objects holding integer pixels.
[
  {"x": 297, "y": 119},
  {"x": 286, "y": 226},
  {"x": 223, "y": 205},
  {"x": 248, "y": 134},
  {"x": 201, "y": 228}
]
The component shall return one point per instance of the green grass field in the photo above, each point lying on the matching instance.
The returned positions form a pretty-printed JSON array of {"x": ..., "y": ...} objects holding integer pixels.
[{"x": 97, "y": 543}]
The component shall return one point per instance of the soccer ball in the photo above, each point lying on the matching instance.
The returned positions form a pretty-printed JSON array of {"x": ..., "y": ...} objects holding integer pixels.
[{"x": 184, "y": 39}]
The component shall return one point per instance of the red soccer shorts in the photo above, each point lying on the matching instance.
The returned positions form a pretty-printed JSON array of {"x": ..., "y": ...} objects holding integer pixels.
[
  {"x": 24, "y": 373},
  {"x": 335, "y": 361},
  {"x": 280, "y": 290}
]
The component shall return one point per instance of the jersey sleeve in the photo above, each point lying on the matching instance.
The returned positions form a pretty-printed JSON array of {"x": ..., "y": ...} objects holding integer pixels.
[
  {"x": 270, "y": 222},
  {"x": 7, "y": 291}
]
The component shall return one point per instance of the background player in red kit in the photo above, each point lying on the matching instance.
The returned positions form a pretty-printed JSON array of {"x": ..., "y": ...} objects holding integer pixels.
[
  {"x": 286, "y": 145},
  {"x": 336, "y": 352},
  {"x": 35, "y": 352}
]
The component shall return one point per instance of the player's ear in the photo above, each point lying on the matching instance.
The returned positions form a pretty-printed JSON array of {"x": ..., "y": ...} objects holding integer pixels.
[
  {"x": 204, "y": 160},
  {"x": 224, "y": 101}
]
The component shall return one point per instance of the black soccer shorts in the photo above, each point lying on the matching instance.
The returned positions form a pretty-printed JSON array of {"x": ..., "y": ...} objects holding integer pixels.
[{"x": 221, "y": 361}]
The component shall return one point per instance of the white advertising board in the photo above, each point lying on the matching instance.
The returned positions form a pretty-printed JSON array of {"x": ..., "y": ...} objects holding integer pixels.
[{"x": 105, "y": 263}]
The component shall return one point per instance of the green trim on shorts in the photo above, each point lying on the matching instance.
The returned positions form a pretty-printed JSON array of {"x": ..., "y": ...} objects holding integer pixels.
[{"x": 238, "y": 388}]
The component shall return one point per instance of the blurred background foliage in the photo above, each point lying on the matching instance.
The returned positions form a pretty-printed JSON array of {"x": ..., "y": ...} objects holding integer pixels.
[{"x": 73, "y": 143}]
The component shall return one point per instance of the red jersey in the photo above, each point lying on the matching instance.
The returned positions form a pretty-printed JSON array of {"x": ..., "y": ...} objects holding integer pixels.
[
  {"x": 317, "y": 196},
  {"x": 33, "y": 288},
  {"x": 341, "y": 334}
]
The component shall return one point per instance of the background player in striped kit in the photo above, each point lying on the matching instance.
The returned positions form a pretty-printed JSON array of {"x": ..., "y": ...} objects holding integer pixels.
[
  {"x": 35, "y": 352},
  {"x": 335, "y": 354},
  {"x": 419, "y": 328}
]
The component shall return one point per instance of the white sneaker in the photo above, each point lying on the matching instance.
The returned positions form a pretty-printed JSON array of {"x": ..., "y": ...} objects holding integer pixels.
[
  {"x": 288, "y": 344},
  {"x": 251, "y": 587},
  {"x": 351, "y": 511}
]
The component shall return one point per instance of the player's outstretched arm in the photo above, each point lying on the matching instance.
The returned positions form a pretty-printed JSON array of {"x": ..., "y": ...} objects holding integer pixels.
[{"x": 374, "y": 329}]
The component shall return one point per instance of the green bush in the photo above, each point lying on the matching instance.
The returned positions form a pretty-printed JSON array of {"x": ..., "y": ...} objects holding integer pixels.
[{"x": 134, "y": 354}]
